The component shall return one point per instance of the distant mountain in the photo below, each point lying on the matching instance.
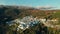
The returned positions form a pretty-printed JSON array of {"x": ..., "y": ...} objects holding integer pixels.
[{"x": 8, "y": 13}]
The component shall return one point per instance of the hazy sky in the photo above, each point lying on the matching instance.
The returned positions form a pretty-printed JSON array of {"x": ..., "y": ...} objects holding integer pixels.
[{"x": 34, "y": 3}]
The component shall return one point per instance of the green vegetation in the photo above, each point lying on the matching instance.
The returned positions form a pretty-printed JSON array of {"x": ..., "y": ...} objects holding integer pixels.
[{"x": 56, "y": 14}]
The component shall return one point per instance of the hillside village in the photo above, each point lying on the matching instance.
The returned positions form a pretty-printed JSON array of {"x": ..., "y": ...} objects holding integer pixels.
[
  {"x": 29, "y": 21},
  {"x": 14, "y": 19}
]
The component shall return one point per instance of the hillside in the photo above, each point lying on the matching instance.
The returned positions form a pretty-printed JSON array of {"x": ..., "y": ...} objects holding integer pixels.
[{"x": 10, "y": 13}]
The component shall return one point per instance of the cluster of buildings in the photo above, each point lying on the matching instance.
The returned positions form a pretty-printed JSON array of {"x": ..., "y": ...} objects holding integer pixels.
[
  {"x": 25, "y": 22},
  {"x": 29, "y": 21}
]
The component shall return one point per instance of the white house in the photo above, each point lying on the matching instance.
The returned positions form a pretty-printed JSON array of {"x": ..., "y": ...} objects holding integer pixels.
[{"x": 42, "y": 20}]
